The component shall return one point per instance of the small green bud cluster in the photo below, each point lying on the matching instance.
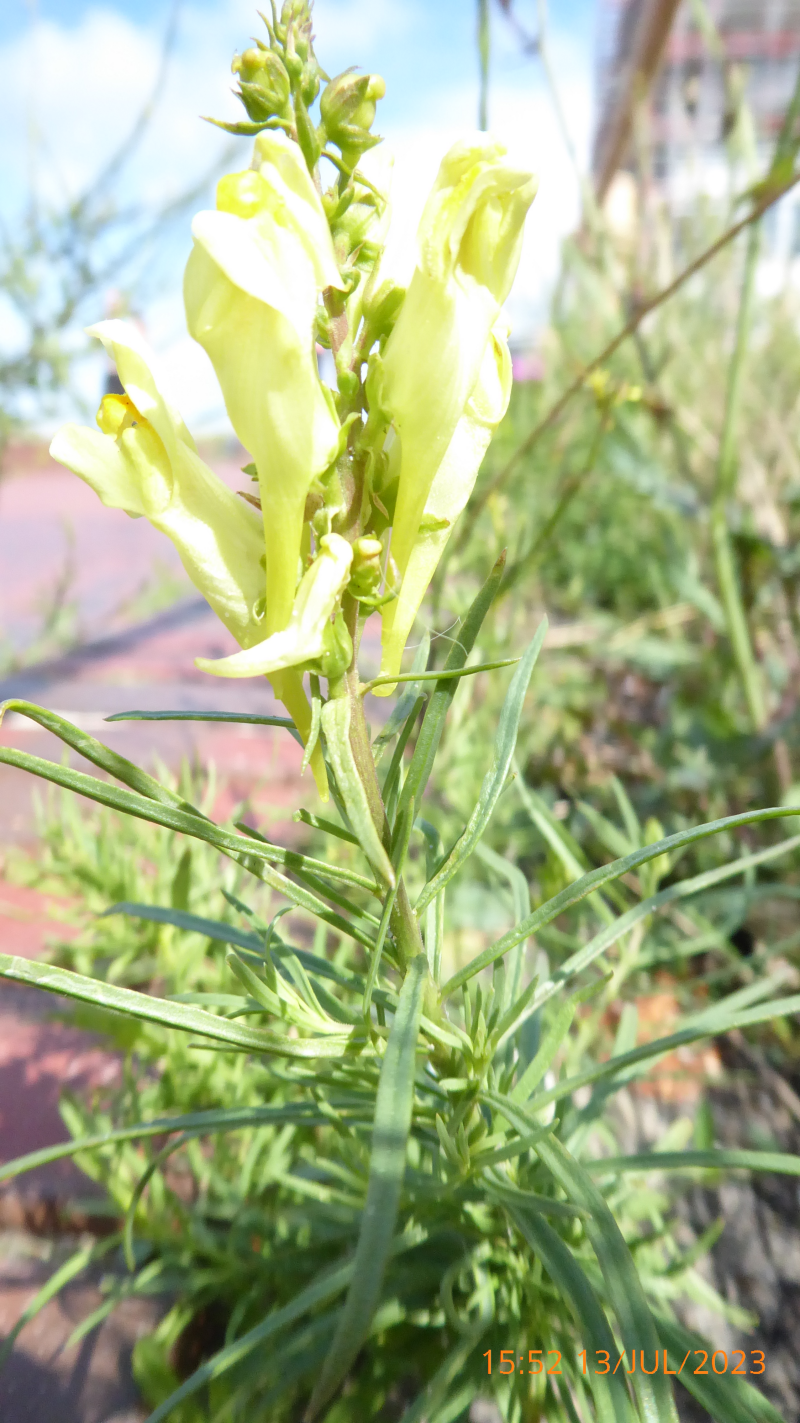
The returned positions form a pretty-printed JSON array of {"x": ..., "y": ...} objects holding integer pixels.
[
  {"x": 279, "y": 81},
  {"x": 347, "y": 106}
]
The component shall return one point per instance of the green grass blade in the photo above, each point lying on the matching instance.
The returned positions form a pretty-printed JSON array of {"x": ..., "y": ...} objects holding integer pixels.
[
  {"x": 256, "y": 855},
  {"x": 727, "y": 1398},
  {"x": 324, "y": 1288},
  {"x": 574, "y": 893},
  {"x": 183, "y": 1016},
  {"x": 198, "y": 1123},
  {"x": 99, "y": 755},
  {"x": 711, "y": 1023},
  {"x": 495, "y": 778},
  {"x": 76, "y": 1264},
  {"x": 610, "y": 935},
  {"x": 430, "y": 733},
  {"x": 393, "y": 1109},
  {"x": 245, "y": 718},
  {"x": 779, "y": 1162},
  {"x": 624, "y": 1287},
  {"x": 406, "y": 702},
  {"x": 610, "y": 1395}
]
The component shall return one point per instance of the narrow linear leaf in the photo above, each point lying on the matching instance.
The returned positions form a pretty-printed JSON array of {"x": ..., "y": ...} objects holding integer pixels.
[
  {"x": 393, "y": 1108},
  {"x": 183, "y": 1016},
  {"x": 406, "y": 702},
  {"x": 427, "y": 1404},
  {"x": 621, "y": 926},
  {"x": 99, "y": 755},
  {"x": 715, "y": 1024},
  {"x": 243, "y": 718},
  {"x": 727, "y": 1398},
  {"x": 619, "y": 1271},
  {"x": 76, "y": 1264},
  {"x": 324, "y": 1288},
  {"x": 200, "y": 1123},
  {"x": 495, "y": 778},
  {"x": 610, "y": 1394},
  {"x": 442, "y": 675},
  {"x": 574, "y": 893},
  {"x": 250, "y": 852},
  {"x": 781, "y": 1163},
  {"x": 336, "y": 726},
  {"x": 430, "y": 733}
]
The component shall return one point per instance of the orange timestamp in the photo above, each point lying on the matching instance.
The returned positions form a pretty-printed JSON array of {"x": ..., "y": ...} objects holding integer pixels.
[{"x": 538, "y": 1362}]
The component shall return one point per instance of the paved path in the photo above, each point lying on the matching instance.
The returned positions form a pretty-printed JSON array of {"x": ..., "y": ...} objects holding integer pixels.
[{"x": 127, "y": 658}]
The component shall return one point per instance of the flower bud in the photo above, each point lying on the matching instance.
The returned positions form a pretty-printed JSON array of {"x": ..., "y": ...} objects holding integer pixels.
[
  {"x": 347, "y": 107},
  {"x": 264, "y": 84},
  {"x": 382, "y": 306}
]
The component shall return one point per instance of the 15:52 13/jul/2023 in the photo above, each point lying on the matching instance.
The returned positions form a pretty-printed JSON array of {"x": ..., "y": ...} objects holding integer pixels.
[{"x": 511, "y": 1363}]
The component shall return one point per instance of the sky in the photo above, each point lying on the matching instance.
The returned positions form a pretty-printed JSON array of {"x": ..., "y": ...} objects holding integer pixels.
[{"x": 74, "y": 75}]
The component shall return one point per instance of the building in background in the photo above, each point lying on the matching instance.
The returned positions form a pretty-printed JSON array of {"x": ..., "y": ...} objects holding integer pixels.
[{"x": 655, "y": 62}]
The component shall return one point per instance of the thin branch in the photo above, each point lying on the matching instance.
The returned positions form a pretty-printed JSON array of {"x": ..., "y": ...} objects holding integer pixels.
[{"x": 766, "y": 201}]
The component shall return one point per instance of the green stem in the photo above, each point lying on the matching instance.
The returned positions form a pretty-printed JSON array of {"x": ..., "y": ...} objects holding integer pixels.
[
  {"x": 403, "y": 920},
  {"x": 484, "y": 45},
  {"x": 724, "y": 557}
]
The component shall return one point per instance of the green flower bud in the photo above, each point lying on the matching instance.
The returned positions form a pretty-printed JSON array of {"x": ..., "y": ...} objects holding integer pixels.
[
  {"x": 382, "y": 306},
  {"x": 264, "y": 84},
  {"x": 347, "y": 107}
]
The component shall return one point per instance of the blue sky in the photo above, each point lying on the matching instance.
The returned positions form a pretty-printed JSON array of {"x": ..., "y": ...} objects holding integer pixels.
[{"x": 74, "y": 74}]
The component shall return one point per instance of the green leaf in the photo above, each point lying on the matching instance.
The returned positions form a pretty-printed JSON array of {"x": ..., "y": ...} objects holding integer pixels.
[
  {"x": 442, "y": 675},
  {"x": 714, "y": 1022},
  {"x": 406, "y": 702},
  {"x": 101, "y": 756},
  {"x": 430, "y": 733},
  {"x": 581, "y": 960},
  {"x": 324, "y": 1288},
  {"x": 76, "y": 1264},
  {"x": 242, "y": 718},
  {"x": 552, "y": 1041},
  {"x": 393, "y": 1108},
  {"x": 191, "y": 923},
  {"x": 779, "y": 1162},
  {"x": 255, "y": 854},
  {"x": 605, "y": 874},
  {"x": 610, "y": 1395},
  {"x": 495, "y": 778},
  {"x": 336, "y": 726},
  {"x": 619, "y": 1271},
  {"x": 183, "y": 1016},
  {"x": 221, "y": 1119},
  {"x": 727, "y": 1398}
]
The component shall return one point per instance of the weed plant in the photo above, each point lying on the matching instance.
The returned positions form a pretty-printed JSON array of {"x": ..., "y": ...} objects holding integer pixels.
[{"x": 368, "y": 1162}]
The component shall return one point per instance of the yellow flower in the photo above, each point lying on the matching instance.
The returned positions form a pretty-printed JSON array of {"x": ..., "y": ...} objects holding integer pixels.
[
  {"x": 251, "y": 290},
  {"x": 452, "y": 486},
  {"x": 469, "y": 245},
  {"x": 143, "y": 460},
  {"x": 303, "y": 638}
]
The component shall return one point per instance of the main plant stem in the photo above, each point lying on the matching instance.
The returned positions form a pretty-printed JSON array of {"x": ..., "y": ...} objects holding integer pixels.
[{"x": 403, "y": 922}]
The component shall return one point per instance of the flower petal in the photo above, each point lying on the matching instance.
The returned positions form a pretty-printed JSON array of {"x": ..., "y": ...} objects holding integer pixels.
[
  {"x": 452, "y": 486},
  {"x": 302, "y": 639}
]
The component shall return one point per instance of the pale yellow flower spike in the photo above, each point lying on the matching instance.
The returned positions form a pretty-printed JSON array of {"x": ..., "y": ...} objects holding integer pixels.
[
  {"x": 452, "y": 486},
  {"x": 143, "y": 460},
  {"x": 251, "y": 290},
  {"x": 469, "y": 245}
]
